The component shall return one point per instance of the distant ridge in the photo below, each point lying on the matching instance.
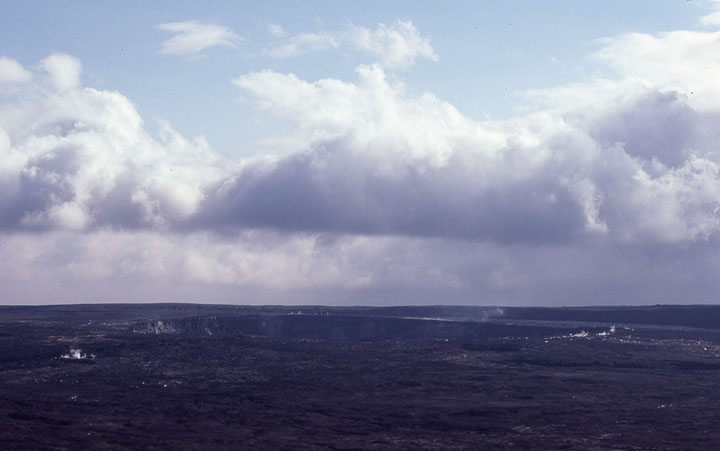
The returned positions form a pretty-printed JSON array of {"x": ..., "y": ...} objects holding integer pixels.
[{"x": 695, "y": 316}]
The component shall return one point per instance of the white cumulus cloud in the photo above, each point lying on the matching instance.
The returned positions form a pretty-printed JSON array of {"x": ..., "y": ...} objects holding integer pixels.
[
  {"x": 302, "y": 44},
  {"x": 276, "y": 30},
  {"x": 684, "y": 61},
  {"x": 12, "y": 73},
  {"x": 378, "y": 160},
  {"x": 63, "y": 70},
  {"x": 193, "y": 37},
  {"x": 76, "y": 158},
  {"x": 713, "y": 18},
  {"x": 395, "y": 46}
]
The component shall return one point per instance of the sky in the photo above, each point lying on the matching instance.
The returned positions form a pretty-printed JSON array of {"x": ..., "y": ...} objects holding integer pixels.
[{"x": 360, "y": 153}]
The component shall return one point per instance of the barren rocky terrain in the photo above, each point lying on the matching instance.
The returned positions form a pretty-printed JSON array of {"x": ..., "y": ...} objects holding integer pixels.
[{"x": 172, "y": 376}]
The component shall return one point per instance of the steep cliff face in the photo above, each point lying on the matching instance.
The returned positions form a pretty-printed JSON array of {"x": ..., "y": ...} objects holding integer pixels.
[
  {"x": 342, "y": 327},
  {"x": 156, "y": 327}
]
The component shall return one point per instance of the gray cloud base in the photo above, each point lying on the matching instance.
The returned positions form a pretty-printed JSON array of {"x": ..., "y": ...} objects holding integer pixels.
[{"x": 330, "y": 190}]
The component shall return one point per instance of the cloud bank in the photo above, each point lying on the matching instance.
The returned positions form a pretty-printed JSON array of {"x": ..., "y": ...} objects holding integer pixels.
[{"x": 608, "y": 192}]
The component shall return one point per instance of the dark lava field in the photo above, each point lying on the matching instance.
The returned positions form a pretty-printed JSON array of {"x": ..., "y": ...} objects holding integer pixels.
[{"x": 214, "y": 377}]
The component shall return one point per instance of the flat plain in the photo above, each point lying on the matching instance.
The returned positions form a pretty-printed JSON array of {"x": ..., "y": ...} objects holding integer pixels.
[{"x": 186, "y": 376}]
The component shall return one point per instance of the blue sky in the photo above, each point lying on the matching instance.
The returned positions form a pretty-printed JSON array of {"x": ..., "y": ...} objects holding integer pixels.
[{"x": 507, "y": 152}]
